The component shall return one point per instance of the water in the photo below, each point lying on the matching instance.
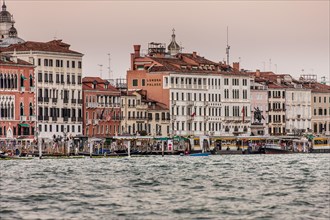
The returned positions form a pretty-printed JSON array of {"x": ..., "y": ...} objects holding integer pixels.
[{"x": 216, "y": 187}]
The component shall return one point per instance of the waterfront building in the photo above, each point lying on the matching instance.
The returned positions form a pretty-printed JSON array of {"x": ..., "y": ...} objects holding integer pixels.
[
  {"x": 58, "y": 72},
  {"x": 101, "y": 108},
  {"x": 17, "y": 100},
  {"x": 204, "y": 97},
  {"x": 320, "y": 104},
  {"x": 143, "y": 116},
  {"x": 8, "y": 33},
  {"x": 298, "y": 109}
]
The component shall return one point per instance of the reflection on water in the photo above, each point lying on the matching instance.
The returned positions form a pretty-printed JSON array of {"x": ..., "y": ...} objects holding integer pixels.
[{"x": 216, "y": 187}]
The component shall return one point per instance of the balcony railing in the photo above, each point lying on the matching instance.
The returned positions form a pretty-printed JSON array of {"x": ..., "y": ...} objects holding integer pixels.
[
  {"x": 32, "y": 118},
  {"x": 22, "y": 118},
  {"x": 46, "y": 118},
  {"x": 54, "y": 100},
  {"x": 32, "y": 89},
  {"x": 80, "y": 119},
  {"x": 46, "y": 99},
  {"x": 89, "y": 122},
  {"x": 80, "y": 101},
  {"x": 40, "y": 99},
  {"x": 54, "y": 118},
  {"x": 95, "y": 121},
  {"x": 73, "y": 101},
  {"x": 73, "y": 119},
  {"x": 22, "y": 89},
  {"x": 65, "y": 118},
  {"x": 66, "y": 100},
  {"x": 40, "y": 118},
  {"x": 92, "y": 105}
]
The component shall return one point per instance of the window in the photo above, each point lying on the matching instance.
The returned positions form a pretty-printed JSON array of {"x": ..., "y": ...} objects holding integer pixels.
[
  {"x": 73, "y": 64},
  {"x": 135, "y": 82},
  {"x": 226, "y": 81},
  {"x": 79, "y": 64},
  {"x": 244, "y": 82},
  {"x": 143, "y": 82},
  {"x": 67, "y": 64},
  {"x": 39, "y": 62},
  {"x": 39, "y": 76},
  {"x": 50, "y": 62}
]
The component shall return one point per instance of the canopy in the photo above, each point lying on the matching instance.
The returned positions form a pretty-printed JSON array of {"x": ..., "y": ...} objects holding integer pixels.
[{"x": 24, "y": 125}]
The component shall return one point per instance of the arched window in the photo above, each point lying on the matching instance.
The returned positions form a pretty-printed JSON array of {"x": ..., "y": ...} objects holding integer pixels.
[
  {"x": 30, "y": 109},
  {"x": 31, "y": 81},
  {"x": 1, "y": 81},
  {"x": 21, "y": 109},
  {"x": 22, "y": 80},
  {"x": 12, "y": 110},
  {"x": 15, "y": 81}
]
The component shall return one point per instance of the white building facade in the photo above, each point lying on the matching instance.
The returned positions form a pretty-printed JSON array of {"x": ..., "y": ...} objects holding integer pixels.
[
  {"x": 209, "y": 104},
  {"x": 298, "y": 110},
  {"x": 58, "y": 72}
]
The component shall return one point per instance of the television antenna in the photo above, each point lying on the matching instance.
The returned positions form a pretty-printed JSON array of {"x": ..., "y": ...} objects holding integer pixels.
[
  {"x": 227, "y": 48},
  {"x": 100, "y": 65}
]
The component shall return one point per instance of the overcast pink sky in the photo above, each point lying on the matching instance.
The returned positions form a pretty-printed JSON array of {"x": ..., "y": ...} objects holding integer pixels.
[{"x": 293, "y": 34}]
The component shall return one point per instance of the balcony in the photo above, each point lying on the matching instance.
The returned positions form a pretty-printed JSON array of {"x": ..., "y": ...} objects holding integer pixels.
[
  {"x": 92, "y": 105},
  {"x": 80, "y": 101},
  {"x": 40, "y": 118},
  {"x": 40, "y": 99},
  {"x": 32, "y": 89},
  {"x": 22, "y": 118},
  {"x": 80, "y": 119},
  {"x": 54, "y": 100},
  {"x": 46, "y": 99},
  {"x": 54, "y": 118},
  {"x": 206, "y": 103},
  {"x": 190, "y": 103},
  {"x": 22, "y": 89},
  {"x": 33, "y": 118},
  {"x": 66, "y": 100},
  {"x": 73, "y": 119},
  {"x": 46, "y": 118},
  {"x": 65, "y": 118},
  {"x": 96, "y": 121},
  {"x": 173, "y": 117},
  {"x": 173, "y": 102},
  {"x": 73, "y": 101},
  {"x": 89, "y": 122}
]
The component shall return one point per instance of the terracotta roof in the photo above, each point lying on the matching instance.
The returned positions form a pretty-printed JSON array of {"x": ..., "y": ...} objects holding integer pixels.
[
  {"x": 99, "y": 85},
  {"x": 5, "y": 60},
  {"x": 198, "y": 59},
  {"x": 51, "y": 46},
  {"x": 317, "y": 87}
]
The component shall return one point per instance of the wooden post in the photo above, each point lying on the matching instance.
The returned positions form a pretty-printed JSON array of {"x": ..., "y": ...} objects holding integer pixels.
[{"x": 162, "y": 148}]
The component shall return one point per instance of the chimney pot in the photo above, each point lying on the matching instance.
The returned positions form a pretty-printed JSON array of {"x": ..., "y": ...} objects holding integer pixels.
[{"x": 137, "y": 50}]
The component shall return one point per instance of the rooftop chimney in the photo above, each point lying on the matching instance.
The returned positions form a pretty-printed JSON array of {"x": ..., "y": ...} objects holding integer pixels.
[
  {"x": 137, "y": 50},
  {"x": 236, "y": 66},
  {"x": 257, "y": 73},
  {"x": 194, "y": 54}
]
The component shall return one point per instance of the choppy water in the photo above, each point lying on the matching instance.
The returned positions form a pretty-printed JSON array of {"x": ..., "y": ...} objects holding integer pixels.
[{"x": 216, "y": 187}]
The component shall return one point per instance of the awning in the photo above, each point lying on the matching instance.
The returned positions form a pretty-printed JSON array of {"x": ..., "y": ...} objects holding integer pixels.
[
  {"x": 161, "y": 138},
  {"x": 23, "y": 77},
  {"x": 24, "y": 125}
]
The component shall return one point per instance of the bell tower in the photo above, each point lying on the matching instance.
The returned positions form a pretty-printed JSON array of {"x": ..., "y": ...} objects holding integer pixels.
[{"x": 6, "y": 21}]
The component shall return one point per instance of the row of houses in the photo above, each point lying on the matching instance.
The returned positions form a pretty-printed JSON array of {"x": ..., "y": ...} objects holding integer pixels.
[{"x": 166, "y": 92}]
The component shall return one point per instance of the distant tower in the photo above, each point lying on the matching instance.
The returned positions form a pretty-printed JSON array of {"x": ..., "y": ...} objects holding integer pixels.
[
  {"x": 173, "y": 48},
  {"x": 6, "y": 21},
  {"x": 227, "y": 48}
]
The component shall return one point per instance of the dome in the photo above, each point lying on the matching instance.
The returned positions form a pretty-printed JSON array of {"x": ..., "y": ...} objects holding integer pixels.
[
  {"x": 5, "y": 16},
  {"x": 173, "y": 48},
  {"x": 11, "y": 40},
  {"x": 12, "y": 31}
]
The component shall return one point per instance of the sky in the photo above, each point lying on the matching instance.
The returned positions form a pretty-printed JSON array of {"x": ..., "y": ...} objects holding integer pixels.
[{"x": 282, "y": 36}]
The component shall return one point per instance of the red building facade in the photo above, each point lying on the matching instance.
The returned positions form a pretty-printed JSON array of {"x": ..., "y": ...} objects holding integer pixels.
[
  {"x": 101, "y": 108},
  {"x": 17, "y": 100}
]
